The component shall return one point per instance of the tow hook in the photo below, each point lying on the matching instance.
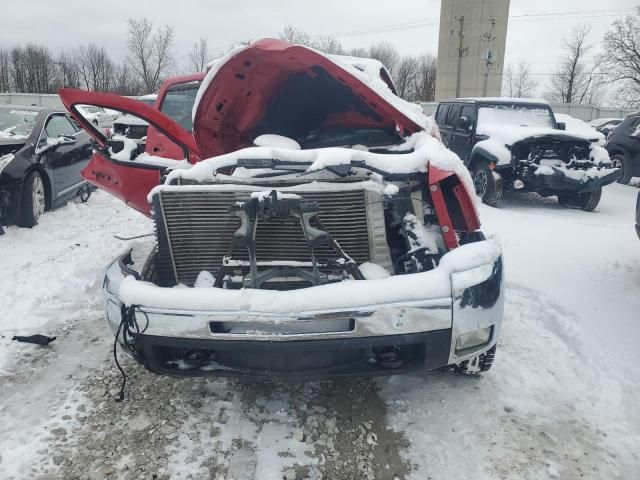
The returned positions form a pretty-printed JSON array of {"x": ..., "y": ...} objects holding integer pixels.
[{"x": 386, "y": 357}]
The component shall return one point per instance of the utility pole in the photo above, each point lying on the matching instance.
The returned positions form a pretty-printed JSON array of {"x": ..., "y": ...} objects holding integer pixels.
[
  {"x": 461, "y": 52},
  {"x": 489, "y": 37}
]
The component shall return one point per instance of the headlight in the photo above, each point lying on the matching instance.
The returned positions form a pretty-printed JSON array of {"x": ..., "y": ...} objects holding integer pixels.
[
  {"x": 6, "y": 160},
  {"x": 473, "y": 339}
]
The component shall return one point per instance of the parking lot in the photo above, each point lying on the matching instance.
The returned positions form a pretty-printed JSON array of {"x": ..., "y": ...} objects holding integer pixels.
[{"x": 560, "y": 401}]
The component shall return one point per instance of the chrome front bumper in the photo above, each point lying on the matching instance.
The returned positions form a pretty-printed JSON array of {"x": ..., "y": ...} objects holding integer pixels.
[{"x": 464, "y": 294}]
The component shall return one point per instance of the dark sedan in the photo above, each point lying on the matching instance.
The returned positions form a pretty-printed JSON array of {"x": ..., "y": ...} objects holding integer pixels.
[{"x": 42, "y": 152}]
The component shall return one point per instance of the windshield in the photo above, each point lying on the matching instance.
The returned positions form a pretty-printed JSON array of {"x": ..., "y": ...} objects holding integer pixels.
[
  {"x": 16, "y": 123},
  {"x": 147, "y": 101},
  {"x": 178, "y": 103},
  {"x": 516, "y": 114}
]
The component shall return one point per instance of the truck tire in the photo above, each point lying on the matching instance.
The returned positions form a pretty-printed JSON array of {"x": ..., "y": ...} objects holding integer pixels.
[
  {"x": 619, "y": 161},
  {"x": 33, "y": 201},
  {"x": 584, "y": 201},
  {"x": 487, "y": 188},
  {"x": 481, "y": 363}
]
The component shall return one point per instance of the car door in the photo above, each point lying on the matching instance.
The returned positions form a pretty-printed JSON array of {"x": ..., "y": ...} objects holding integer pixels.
[
  {"x": 449, "y": 120},
  {"x": 462, "y": 132},
  {"x": 176, "y": 101},
  {"x": 129, "y": 180},
  {"x": 64, "y": 151}
]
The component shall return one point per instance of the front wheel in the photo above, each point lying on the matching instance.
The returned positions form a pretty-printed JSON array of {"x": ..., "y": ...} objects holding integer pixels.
[
  {"x": 487, "y": 188},
  {"x": 33, "y": 200},
  {"x": 584, "y": 201},
  {"x": 618, "y": 161}
]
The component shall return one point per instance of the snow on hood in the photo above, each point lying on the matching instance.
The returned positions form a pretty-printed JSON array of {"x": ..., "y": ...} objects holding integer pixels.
[
  {"x": 130, "y": 120},
  {"x": 427, "y": 151},
  {"x": 246, "y": 93},
  {"x": 575, "y": 126}
]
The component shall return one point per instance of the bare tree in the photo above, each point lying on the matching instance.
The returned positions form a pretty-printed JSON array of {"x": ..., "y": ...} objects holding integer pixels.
[
  {"x": 426, "y": 78},
  {"x": 150, "y": 52},
  {"x": 33, "y": 69},
  {"x": 622, "y": 58},
  {"x": 405, "y": 76},
  {"x": 294, "y": 36},
  {"x": 199, "y": 55},
  {"x": 328, "y": 44},
  {"x": 386, "y": 52},
  {"x": 5, "y": 77},
  {"x": 358, "y": 52},
  {"x": 96, "y": 68},
  {"x": 69, "y": 70},
  {"x": 574, "y": 81},
  {"x": 518, "y": 81}
]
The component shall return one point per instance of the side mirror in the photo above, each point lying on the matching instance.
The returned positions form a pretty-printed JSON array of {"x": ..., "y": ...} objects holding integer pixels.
[
  {"x": 562, "y": 126},
  {"x": 462, "y": 123},
  {"x": 66, "y": 140},
  {"x": 49, "y": 143}
]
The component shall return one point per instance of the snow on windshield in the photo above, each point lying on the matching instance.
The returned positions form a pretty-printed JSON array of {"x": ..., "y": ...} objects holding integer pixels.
[
  {"x": 513, "y": 114},
  {"x": 16, "y": 124}
]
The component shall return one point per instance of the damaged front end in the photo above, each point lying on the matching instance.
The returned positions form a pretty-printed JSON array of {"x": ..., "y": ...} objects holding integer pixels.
[
  {"x": 300, "y": 273},
  {"x": 552, "y": 165}
]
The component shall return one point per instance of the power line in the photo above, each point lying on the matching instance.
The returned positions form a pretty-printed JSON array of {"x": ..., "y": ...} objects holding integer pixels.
[{"x": 526, "y": 17}]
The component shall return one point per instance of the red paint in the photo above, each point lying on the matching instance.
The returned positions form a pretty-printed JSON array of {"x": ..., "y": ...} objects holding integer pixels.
[
  {"x": 157, "y": 143},
  {"x": 128, "y": 183},
  {"x": 438, "y": 180},
  {"x": 236, "y": 101}
]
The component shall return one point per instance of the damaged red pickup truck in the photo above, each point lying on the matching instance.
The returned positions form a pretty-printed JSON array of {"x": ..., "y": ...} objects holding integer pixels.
[{"x": 314, "y": 225}]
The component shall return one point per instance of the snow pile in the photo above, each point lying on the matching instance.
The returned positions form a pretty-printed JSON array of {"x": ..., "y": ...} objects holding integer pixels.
[
  {"x": 373, "y": 271},
  {"x": 270, "y": 140},
  {"x": 420, "y": 235},
  {"x": 496, "y": 148},
  {"x": 129, "y": 147}
]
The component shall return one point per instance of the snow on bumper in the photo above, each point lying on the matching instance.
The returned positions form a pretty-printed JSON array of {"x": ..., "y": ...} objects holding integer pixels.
[
  {"x": 563, "y": 178},
  {"x": 463, "y": 294}
]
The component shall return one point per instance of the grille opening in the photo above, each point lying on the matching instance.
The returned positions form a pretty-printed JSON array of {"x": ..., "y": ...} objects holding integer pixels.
[{"x": 195, "y": 233}]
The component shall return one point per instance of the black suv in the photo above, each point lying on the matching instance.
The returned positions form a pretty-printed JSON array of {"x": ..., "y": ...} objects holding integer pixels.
[
  {"x": 624, "y": 147},
  {"x": 517, "y": 144}
]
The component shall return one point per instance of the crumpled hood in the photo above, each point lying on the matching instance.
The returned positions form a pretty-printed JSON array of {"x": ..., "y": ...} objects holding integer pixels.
[{"x": 273, "y": 87}]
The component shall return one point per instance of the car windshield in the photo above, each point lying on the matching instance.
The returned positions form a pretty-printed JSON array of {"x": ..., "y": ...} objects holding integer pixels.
[
  {"x": 16, "y": 123},
  {"x": 515, "y": 114},
  {"x": 147, "y": 101}
]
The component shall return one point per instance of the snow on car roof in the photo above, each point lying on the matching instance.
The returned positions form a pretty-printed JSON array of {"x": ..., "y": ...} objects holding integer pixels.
[
  {"x": 498, "y": 100},
  {"x": 150, "y": 96}
]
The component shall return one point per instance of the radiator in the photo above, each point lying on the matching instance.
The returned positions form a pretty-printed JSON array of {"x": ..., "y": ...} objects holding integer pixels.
[{"x": 194, "y": 230}]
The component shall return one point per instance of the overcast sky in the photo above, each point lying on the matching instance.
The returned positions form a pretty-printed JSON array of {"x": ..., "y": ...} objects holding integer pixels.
[{"x": 65, "y": 23}]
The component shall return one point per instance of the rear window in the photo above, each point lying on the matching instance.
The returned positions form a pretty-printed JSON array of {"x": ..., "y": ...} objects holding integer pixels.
[{"x": 178, "y": 103}]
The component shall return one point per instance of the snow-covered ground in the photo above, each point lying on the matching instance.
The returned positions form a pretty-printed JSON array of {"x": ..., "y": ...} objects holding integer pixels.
[{"x": 560, "y": 402}]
